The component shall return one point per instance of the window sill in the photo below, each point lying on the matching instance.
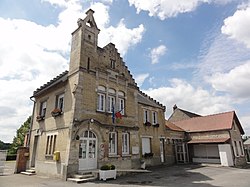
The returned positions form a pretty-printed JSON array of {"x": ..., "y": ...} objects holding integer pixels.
[
  {"x": 126, "y": 155},
  {"x": 113, "y": 156},
  {"x": 49, "y": 157}
]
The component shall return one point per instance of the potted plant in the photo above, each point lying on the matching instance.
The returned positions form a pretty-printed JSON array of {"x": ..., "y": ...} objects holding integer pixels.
[
  {"x": 39, "y": 118},
  {"x": 107, "y": 171},
  {"x": 156, "y": 125},
  {"x": 56, "y": 112},
  {"x": 147, "y": 123}
]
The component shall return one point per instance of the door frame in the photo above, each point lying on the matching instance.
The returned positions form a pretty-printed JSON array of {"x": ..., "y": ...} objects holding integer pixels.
[
  {"x": 33, "y": 159},
  {"x": 86, "y": 160}
]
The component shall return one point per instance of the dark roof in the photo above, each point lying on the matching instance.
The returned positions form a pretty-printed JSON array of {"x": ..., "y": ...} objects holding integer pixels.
[
  {"x": 222, "y": 121},
  {"x": 146, "y": 100},
  {"x": 58, "y": 79},
  {"x": 172, "y": 126}
]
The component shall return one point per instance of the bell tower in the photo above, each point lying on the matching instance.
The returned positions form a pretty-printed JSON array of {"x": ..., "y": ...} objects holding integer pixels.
[{"x": 84, "y": 43}]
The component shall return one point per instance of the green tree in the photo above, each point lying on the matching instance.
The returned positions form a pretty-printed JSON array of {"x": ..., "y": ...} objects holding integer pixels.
[
  {"x": 18, "y": 140},
  {"x": 4, "y": 146}
]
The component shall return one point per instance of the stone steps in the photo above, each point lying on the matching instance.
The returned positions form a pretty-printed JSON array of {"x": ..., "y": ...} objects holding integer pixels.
[
  {"x": 81, "y": 178},
  {"x": 29, "y": 172}
]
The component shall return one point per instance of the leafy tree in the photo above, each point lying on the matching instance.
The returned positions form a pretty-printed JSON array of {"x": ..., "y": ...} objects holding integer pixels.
[
  {"x": 4, "y": 146},
  {"x": 18, "y": 140}
]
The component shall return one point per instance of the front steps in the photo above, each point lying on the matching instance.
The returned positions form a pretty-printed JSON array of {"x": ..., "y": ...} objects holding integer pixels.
[
  {"x": 29, "y": 172},
  {"x": 84, "y": 177}
]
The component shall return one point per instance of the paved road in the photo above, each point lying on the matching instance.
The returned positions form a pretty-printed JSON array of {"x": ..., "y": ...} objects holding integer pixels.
[{"x": 172, "y": 176}]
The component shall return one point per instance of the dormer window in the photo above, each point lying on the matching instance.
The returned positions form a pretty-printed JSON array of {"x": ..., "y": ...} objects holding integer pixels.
[{"x": 112, "y": 64}]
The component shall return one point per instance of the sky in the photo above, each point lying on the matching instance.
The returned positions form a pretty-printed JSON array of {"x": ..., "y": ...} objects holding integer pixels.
[{"x": 195, "y": 53}]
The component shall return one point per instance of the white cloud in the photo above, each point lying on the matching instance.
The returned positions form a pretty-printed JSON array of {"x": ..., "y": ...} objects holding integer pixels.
[
  {"x": 195, "y": 99},
  {"x": 123, "y": 37},
  {"x": 139, "y": 79},
  {"x": 156, "y": 53},
  {"x": 237, "y": 26},
  {"x": 170, "y": 8},
  {"x": 235, "y": 82},
  {"x": 245, "y": 122},
  {"x": 32, "y": 54}
]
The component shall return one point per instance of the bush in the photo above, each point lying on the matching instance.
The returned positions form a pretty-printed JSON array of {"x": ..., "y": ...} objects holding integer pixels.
[
  {"x": 108, "y": 167},
  {"x": 148, "y": 155},
  {"x": 11, "y": 157}
]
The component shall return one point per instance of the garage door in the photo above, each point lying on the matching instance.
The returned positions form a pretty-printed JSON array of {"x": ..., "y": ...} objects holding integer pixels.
[{"x": 206, "y": 153}]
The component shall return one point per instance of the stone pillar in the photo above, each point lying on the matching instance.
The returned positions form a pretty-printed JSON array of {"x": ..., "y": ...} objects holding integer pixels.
[{"x": 21, "y": 159}]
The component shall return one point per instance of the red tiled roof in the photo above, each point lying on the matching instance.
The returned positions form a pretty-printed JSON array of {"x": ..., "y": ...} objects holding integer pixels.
[
  {"x": 222, "y": 121},
  {"x": 172, "y": 126},
  {"x": 216, "y": 140}
]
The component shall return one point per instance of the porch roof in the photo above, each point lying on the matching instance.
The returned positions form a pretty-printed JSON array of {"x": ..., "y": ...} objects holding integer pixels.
[{"x": 214, "y": 140}]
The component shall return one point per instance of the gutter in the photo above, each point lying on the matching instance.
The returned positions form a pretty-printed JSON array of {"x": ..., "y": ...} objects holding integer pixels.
[{"x": 31, "y": 121}]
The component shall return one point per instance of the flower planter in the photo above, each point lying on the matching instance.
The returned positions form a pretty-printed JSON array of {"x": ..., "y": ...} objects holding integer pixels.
[
  {"x": 156, "y": 125},
  {"x": 107, "y": 174},
  {"x": 147, "y": 124},
  {"x": 39, "y": 118},
  {"x": 56, "y": 112}
]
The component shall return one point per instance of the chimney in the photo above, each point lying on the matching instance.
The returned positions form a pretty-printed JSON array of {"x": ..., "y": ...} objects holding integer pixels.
[{"x": 175, "y": 107}]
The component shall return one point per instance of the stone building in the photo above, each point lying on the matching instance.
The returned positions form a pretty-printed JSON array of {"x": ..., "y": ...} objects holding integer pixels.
[
  {"x": 94, "y": 113},
  {"x": 214, "y": 138}
]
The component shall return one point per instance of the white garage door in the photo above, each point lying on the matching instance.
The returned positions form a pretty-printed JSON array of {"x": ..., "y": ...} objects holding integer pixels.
[{"x": 206, "y": 153}]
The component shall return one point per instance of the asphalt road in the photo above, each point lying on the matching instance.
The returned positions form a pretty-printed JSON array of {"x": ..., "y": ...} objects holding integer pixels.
[{"x": 177, "y": 176}]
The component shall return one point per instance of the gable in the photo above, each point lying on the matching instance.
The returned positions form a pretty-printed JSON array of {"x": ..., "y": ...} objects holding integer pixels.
[{"x": 179, "y": 114}]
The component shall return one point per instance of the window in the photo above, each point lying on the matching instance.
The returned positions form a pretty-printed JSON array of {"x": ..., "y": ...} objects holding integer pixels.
[
  {"x": 88, "y": 63},
  {"x": 121, "y": 102},
  {"x": 112, "y": 64},
  {"x": 121, "y": 106},
  {"x": 125, "y": 143},
  {"x": 236, "y": 148},
  {"x": 154, "y": 118},
  {"x": 241, "y": 148},
  {"x": 112, "y": 143},
  {"x": 111, "y": 103},
  {"x": 60, "y": 102},
  {"x": 101, "y": 98},
  {"x": 50, "y": 145},
  {"x": 101, "y": 102},
  {"x": 43, "y": 109},
  {"x": 146, "y": 148},
  {"x": 146, "y": 116}
]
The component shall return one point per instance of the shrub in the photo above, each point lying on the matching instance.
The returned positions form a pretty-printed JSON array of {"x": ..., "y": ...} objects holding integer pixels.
[{"x": 108, "y": 167}]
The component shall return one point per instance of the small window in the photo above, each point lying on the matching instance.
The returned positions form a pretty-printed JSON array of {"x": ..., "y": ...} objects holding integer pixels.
[
  {"x": 112, "y": 64},
  {"x": 146, "y": 116},
  {"x": 125, "y": 143},
  {"x": 43, "y": 109},
  {"x": 88, "y": 63},
  {"x": 50, "y": 144},
  {"x": 60, "y": 102},
  {"x": 241, "y": 148},
  {"x": 236, "y": 148},
  {"x": 112, "y": 143},
  {"x": 154, "y": 118}
]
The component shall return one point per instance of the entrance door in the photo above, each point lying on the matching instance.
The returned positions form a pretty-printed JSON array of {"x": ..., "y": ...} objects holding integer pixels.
[
  {"x": 88, "y": 151},
  {"x": 181, "y": 152},
  {"x": 162, "y": 149},
  {"x": 33, "y": 159}
]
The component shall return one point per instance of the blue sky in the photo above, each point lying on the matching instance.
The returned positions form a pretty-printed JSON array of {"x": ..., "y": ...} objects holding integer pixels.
[{"x": 194, "y": 53}]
